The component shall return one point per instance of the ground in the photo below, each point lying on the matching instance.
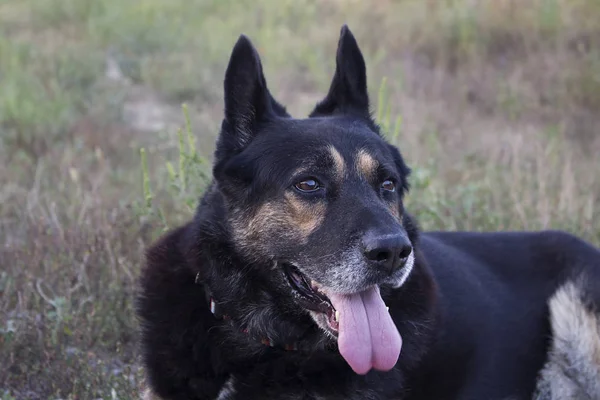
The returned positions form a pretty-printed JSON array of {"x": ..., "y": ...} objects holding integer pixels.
[{"x": 491, "y": 102}]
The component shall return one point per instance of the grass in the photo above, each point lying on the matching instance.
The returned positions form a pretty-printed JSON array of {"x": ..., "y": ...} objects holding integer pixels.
[{"x": 492, "y": 105}]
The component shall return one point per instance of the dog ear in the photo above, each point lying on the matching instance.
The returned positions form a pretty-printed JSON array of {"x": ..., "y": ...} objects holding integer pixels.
[
  {"x": 247, "y": 99},
  {"x": 348, "y": 90}
]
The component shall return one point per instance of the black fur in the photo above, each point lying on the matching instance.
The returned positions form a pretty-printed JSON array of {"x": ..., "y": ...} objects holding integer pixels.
[{"x": 473, "y": 313}]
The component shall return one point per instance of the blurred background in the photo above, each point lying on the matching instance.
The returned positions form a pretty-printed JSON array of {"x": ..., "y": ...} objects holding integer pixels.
[{"x": 494, "y": 104}]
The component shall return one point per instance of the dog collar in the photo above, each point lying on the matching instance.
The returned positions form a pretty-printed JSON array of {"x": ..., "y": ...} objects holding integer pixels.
[{"x": 218, "y": 312}]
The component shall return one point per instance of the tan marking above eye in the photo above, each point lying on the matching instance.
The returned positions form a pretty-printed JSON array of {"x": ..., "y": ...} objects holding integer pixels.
[
  {"x": 338, "y": 162},
  {"x": 366, "y": 164}
]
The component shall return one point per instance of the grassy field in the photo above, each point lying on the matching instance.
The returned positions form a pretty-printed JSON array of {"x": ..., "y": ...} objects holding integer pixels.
[{"x": 493, "y": 103}]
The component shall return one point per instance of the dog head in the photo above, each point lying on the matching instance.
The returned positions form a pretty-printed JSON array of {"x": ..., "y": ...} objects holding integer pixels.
[{"x": 319, "y": 198}]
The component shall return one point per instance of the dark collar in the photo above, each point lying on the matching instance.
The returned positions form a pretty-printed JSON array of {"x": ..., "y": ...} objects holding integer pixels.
[{"x": 219, "y": 313}]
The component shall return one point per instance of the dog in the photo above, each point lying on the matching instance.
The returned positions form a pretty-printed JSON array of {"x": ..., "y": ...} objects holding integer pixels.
[{"x": 301, "y": 275}]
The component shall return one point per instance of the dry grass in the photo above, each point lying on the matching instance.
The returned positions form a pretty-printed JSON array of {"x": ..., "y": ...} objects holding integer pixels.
[{"x": 496, "y": 99}]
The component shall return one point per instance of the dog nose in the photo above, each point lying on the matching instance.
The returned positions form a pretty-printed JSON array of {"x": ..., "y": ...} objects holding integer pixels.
[{"x": 388, "y": 252}]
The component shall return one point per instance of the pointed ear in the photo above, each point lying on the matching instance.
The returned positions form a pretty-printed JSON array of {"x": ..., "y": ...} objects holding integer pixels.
[
  {"x": 247, "y": 99},
  {"x": 348, "y": 90}
]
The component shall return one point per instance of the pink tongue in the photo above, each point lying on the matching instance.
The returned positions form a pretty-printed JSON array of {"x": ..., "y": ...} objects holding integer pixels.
[{"x": 367, "y": 335}]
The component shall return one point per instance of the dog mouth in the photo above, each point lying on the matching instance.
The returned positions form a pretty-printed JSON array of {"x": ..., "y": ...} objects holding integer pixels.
[
  {"x": 365, "y": 332},
  {"x": 310, "y": 295}
]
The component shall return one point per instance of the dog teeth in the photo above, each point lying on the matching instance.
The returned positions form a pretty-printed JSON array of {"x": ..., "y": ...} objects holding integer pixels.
[
  {"x": 336, "y": 316},
  {"x": 387, "y": 308}
]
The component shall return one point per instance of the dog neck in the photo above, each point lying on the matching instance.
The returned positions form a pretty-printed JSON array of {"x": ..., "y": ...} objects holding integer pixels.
[{"x": 220, "y": 314}]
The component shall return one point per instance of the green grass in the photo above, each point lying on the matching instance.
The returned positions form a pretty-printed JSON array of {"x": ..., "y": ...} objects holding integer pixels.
[{"x": 493, "y": 106}]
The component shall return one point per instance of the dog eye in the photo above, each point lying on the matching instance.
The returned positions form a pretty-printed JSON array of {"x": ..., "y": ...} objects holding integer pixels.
[
  {"x": 308, "y": 185},
  {"x": 388, "y": 185}
]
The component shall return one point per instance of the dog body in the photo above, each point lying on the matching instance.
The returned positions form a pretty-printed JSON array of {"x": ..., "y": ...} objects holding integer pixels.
[{"x": 301, "y": 275}]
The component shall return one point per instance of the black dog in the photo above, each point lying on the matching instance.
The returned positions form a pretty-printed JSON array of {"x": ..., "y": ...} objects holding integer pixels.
[{"x": 303, "y": 277}]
